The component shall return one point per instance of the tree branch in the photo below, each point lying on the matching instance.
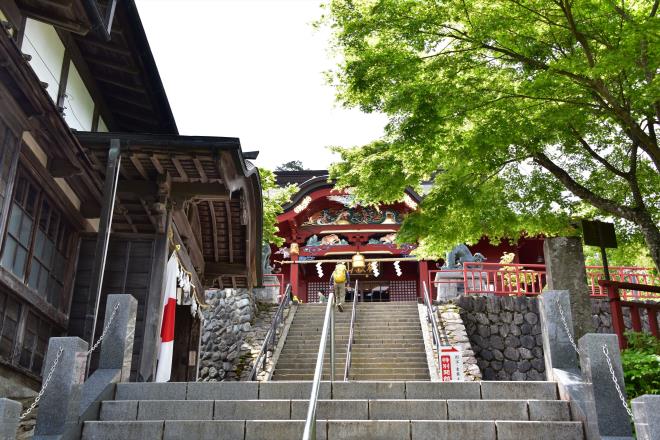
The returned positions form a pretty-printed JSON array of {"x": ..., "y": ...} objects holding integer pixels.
[
  {"x": 566, "y": 7},
  {"x": 634, "y": 184},
  {"x": 598, "y": 157},
  {"x": 581, "y": 191}
]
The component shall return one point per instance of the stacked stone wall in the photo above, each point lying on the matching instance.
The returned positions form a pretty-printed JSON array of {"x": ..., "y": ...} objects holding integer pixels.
[
  {"x": 227, "y": 322},
  {"x": 505, "y": 334},
  {"x": 602, "y": 318},
  {"x": 233, "y": 332}
]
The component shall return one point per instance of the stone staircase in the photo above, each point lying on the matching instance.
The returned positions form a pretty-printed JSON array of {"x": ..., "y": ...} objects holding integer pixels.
[
  {"x": 412, "y": 410},
  {"x": 388, "y": 343}
]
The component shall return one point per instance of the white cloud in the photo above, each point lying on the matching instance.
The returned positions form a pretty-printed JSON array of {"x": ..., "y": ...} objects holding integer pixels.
[{"x": 254, "y": 70}]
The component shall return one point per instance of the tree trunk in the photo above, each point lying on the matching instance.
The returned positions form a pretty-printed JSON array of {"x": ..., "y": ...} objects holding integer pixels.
[{"x": 651, "y": 236}]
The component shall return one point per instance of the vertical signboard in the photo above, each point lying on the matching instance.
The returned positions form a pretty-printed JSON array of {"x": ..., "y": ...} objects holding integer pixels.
[{"x": 451, "y": 364}]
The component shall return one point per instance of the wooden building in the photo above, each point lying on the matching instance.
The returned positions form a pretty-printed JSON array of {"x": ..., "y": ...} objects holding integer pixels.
[
  {"x": 97, "y": 184},
  {"x": 322, "y": 223}
]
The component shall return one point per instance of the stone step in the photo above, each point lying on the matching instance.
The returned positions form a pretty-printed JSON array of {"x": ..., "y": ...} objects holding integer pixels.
[
  {"x": 347, "y": 409},
  {"x": 333, "y": 429},
  {"x": 382, "y": 332},
  {"x": 361, "y": 356},
  {"x": 535, "y": 390},
  {"x": 361, "y": 368}
]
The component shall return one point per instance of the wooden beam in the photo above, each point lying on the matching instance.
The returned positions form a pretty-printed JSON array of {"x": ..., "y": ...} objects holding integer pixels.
[
  {"x": 200, "y": 169},
  {"x": 179, "y": 168},
  {"x": 62, "y": 168},
  {"x": 106, "y": 46},
  {"x": 125, "y": 100},
  {"x": 111, "y": 65},
  {"x": 156, "y": 163},
  {"x": 114, "y": 82},
  {"x": 214, "y": 226},
  {"x": 145, "y": 206},
  {"x": 188, "y": 237},
  {"x": 179, "y": 190},
  {"x": 213, "y": 270},
  {"x": 124, "y": 212},
  {"x": 138, "y": 166},
  {"x": 230, "y": 232}
]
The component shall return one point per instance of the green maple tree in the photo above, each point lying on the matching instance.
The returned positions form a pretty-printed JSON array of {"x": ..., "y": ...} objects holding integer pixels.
[{"x": 524, "y": 114}]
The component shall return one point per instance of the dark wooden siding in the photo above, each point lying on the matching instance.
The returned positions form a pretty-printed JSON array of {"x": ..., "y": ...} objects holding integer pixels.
[{"x": 128, "y": 270}]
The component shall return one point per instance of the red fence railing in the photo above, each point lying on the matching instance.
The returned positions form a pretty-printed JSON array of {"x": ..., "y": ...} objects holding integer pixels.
[
  {"x": 651, "y": 308},
  {"x": 530, "y": 279}
]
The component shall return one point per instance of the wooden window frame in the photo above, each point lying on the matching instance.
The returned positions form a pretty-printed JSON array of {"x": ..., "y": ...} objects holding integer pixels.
[{"x": 69, "y": 247}]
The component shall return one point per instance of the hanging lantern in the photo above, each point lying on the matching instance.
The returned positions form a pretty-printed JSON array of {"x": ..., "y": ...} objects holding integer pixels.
[
  {"x": 294, "y": 249},
  {"x": 359, "y": 264}
]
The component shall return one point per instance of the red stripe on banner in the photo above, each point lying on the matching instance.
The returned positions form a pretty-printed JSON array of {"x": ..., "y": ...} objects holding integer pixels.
[{"x": 167, "y": 330}]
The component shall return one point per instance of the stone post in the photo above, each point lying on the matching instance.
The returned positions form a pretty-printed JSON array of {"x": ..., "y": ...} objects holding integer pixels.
[
  {"x": 117, "y": 346},
  {"x": 10, "y": 411},
  {"x": 564, "y": 267},
  {"x": 646, "y": 409},
  {"x": 60, "y": 403},
  {"x": 613, "y": 420},
  {"x": 558, "y": 351}
]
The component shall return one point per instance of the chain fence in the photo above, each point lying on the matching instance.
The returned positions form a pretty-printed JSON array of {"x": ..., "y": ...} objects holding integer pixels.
[
  {"x": 46, "y": 381},
  {"x": 606, "y": 353}
]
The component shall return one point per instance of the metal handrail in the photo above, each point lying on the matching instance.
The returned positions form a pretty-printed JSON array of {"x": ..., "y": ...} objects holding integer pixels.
[
  {"x": 271, "y": 335},
  {"x": 356, "y": 298},
  {"x": 431, "y": 317},
  {"x": 328, "y": 324}
]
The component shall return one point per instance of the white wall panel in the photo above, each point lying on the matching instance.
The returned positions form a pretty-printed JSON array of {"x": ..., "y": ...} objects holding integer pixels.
[
  {"x": 43, "y": 44},
  {"x": 79, "y": 109}
]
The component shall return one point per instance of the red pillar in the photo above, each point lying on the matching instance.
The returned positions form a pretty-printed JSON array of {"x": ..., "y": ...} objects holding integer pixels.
[
  {"x": 424, "y": 278},
  {"x": 293, "y": 276}
]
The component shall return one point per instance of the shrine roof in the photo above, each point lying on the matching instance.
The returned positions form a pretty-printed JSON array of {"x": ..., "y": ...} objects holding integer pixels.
[{"x": 210, "y": 175}]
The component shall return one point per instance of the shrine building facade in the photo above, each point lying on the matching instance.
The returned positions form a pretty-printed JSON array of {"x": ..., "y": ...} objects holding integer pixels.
[{"x": 322, "y": 226}]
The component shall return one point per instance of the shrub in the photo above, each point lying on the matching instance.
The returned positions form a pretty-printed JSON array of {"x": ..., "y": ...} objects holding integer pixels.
[{"x": 641, "y": 364}]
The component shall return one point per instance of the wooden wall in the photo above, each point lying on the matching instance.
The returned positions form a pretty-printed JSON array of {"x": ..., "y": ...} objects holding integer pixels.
[{"x": 130, "y": 269}]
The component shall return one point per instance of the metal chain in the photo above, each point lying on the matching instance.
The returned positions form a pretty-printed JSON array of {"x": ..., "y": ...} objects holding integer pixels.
[
  {"x": 45, "y": 384},
  {"x": 57, "y": 360},
  {"x": 606, "y": 352},
  {"x": 105, "y": 330},
  {"x": 568, "y": 331}
]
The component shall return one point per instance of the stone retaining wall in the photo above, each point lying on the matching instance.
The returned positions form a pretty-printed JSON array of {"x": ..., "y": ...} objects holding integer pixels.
[
  {"x": 602, "y": 318},
  {"x": 505, "y": 334},
  {"x": 233, "y": 331},
  {"x": 227, "y": 321}
]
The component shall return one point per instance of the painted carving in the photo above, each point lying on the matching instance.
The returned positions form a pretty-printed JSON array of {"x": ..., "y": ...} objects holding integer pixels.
[
  {"x": 386, "y": 239},
  {"x": 327, "y": 240},
  {"x": 284, "y": 252},
  {"x": 353, "y": 216}
]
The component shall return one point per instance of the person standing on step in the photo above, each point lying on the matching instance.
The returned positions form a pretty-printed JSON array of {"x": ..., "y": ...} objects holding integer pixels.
[{"x": 340, "y": 277}]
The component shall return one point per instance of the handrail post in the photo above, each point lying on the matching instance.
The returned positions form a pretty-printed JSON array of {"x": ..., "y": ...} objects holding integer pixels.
[
  {"x": 615, "y": 311},
  {"x": 332, "y": 344},
  {"x": 310, "y": 422},
  {"x": 351, "y": 333}
]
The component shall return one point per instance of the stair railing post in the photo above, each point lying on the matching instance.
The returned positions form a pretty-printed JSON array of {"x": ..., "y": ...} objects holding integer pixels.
[{"x": 332, "y": 344}]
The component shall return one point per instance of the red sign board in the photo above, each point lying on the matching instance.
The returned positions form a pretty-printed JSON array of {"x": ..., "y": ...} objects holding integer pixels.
[{"x": 451, "y": 364}]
